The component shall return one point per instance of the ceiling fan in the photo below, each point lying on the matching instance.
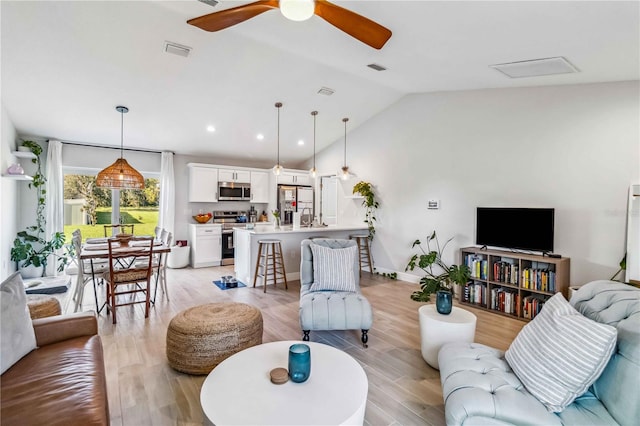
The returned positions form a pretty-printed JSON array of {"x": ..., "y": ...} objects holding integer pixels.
[{"x": 357, "y": 26}]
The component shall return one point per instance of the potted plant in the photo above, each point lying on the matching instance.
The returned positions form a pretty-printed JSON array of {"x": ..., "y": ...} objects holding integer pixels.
[
  {"x": 370, "y": 204},
  {"x": 30, "y": 248},
  {"x": 439, "y": 277}
]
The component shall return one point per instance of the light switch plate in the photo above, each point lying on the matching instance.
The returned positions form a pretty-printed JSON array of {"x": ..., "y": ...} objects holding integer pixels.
[{"x": 433, "y": 204}]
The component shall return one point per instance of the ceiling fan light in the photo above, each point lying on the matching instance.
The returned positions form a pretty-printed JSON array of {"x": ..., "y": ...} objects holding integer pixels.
[{"x": 297, "y": 10}]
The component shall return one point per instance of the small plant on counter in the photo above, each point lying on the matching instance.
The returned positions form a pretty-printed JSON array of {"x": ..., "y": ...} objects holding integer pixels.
[
  {"x": 438, "y": 275},
  {"x": 276, "y": 214},
  {"x": 370, "y": 204}
]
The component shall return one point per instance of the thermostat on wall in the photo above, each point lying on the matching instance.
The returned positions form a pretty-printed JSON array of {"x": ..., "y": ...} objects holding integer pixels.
[{"x": 433, "y": 204}]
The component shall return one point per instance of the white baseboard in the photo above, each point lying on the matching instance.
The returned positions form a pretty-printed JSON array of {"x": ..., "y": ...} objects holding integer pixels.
[{"x": 402, "y": 276}]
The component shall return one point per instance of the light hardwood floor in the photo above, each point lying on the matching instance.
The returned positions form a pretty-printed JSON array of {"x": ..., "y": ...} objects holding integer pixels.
[{"x": 403, "y": 389}]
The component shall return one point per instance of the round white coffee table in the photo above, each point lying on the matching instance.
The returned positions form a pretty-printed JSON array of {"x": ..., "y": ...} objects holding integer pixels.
[
  {"x": 437, "y": 329},
  {"x": 239, "y": 391}
]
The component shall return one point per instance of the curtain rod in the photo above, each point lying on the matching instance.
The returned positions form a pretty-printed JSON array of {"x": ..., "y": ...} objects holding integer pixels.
[{"x": 110, "y": 147}]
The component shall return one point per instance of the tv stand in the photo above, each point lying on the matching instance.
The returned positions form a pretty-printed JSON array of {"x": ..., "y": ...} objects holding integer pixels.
[{"x": 512, "y": 284}]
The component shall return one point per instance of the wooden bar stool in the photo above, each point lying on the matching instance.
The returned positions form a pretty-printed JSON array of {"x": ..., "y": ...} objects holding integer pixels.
[
  {"x": 270, "y": 264},
  {"x": 364, "y": 255}
]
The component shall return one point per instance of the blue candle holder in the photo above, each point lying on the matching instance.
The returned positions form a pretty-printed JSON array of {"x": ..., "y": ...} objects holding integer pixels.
[
  {"x": 444, "y": 302},
  {"x": 299, "y": 362}
]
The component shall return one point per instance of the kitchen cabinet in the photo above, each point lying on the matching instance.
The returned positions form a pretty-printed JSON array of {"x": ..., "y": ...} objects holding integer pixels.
[
  {"x": 237, "y": 176},
  {"x": 203, "y": 183},
  {"x": 294, "y": 178},
  {"x": 259, "y": 187},
  {"x": 206, "y": 245}
]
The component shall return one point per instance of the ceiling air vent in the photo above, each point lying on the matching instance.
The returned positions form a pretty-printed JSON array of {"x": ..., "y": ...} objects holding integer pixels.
[
  {"x": 536, "y": 67},
  {"x": 326, "y": 91},
  {"x": 176, "y": 49},
  {"x": 211, "y": 3},
  {"x": 377, "y": 67}
]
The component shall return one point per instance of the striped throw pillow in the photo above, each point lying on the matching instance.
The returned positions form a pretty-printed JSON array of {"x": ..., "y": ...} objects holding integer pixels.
[
  {"x": 333, "y": 268},
  {"x": 559, "y": 354}
]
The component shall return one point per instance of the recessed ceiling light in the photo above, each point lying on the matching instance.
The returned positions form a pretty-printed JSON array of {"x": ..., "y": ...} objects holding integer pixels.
[
  {"x": 536, "y": 67},
  {"x": 300, "y": 142},
  {"x": 259, "y": 136},
  {"x": 211, "y": 129}
]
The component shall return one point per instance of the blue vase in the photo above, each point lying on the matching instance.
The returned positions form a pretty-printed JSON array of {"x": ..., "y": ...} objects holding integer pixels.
[
  {"x": 444, "y": 302},
  {"x": 299, "y": 362}
]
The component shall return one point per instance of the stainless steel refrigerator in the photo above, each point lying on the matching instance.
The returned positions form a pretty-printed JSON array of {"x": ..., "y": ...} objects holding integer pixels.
[{"x": 295, "y": 199}]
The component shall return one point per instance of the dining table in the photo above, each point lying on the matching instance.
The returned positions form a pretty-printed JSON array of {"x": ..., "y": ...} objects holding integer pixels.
[{"x": 97, "y": 249}]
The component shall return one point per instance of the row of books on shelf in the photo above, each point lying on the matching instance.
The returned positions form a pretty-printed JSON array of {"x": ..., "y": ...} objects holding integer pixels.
[
  {"x": 504, "y": 300},
  {"x": 538, "y": 279},
  {"x": 505, "y": 272},
  {"x": 479, "y": 266},
  {"x": 475, "y": 292},
  {"x": 531, "y": 306}
]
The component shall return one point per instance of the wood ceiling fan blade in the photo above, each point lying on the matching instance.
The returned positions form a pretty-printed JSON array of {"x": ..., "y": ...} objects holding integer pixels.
[
  {"x": 357, "y": 26},
  {"x": 226, "y": 18}
]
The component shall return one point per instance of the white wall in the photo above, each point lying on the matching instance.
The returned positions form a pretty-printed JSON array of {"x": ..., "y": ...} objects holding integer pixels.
[
  {"x": 8, "y": 196},
  {"x": 573, "y": 148}
]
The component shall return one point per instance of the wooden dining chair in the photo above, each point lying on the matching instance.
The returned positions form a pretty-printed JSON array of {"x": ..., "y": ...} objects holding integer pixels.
[
  {"x": 87, "y": 271},
  {"x": 131, "y": 281},
  {"x": 118, "y": 228},
  {"x": 159, "y": 265}
]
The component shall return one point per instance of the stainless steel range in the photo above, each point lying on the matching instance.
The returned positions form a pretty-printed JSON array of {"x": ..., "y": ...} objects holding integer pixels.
[{"x": 229, "y": 220}]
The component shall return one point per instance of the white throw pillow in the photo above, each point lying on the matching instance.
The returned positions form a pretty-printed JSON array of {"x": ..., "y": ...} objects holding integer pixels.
[
  {"x": 559, "y": 354},
  {"x": 17, "y": 337},
  {"x": 333, "y": 268}
]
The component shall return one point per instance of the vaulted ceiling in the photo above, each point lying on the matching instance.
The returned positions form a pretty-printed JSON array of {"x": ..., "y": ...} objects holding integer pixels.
[{"x": 67, "y": 64}]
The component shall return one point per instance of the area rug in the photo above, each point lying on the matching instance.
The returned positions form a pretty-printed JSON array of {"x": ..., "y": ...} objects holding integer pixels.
[{"x": 221, "y": 285}]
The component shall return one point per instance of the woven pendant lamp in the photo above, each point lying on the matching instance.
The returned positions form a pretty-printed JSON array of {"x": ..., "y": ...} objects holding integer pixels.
[{"x": 120, "y": 175}]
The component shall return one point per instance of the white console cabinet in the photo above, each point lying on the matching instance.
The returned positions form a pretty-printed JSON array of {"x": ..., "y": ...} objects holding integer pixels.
[{"x": 206, "y": 245}]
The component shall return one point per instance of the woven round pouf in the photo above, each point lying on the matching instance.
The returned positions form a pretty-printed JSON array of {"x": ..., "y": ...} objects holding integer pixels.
[
  {"x": 42, "y": 306},
  {"x": 201, "y": 337}
]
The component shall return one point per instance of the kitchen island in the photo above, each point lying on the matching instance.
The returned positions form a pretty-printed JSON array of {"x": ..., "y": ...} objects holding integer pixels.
[{"x": 246, "y": 245}]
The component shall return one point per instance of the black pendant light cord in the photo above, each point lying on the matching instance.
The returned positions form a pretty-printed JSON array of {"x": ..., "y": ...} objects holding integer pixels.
[
  {"x": 278, "y": 105},
  {"x": 314, "y": 113},
  {"x": 344, "y": 120}
]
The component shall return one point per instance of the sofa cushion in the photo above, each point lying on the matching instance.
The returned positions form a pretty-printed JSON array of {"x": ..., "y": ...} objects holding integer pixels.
[
  {"x": 17, "y": 337},
  {"x": 618, "y": 305},
  {"x": 333, "y": 268},
  {"x": 479, "y": 387},
  {"x": 559, "y": 354},
  {"x": 61, "y": 383}
]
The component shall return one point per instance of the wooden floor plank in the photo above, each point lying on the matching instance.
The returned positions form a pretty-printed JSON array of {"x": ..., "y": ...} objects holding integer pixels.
[{"x": 403, "y": 389}]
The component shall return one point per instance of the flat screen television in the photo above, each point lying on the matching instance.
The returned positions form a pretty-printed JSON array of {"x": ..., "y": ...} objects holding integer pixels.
[{"x": 515, "y": 228}]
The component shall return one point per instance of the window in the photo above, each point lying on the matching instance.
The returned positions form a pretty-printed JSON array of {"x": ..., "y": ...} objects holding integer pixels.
[{"x": 87, "y": 207}]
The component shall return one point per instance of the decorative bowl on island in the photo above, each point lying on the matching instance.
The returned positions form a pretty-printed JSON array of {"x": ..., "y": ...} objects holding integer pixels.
[{"x": 203, "y": 218}]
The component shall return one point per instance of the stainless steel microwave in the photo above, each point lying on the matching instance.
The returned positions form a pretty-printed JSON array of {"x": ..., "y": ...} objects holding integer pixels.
[{"x": 231, "y": 191}]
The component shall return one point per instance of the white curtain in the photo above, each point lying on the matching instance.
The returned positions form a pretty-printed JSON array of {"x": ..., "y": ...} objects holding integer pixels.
[
  {"x": 167, "y": 193},
  {"x": 54, "y": 198}
]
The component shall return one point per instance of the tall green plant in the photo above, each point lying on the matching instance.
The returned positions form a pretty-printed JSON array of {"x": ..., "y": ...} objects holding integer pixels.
[
  {"x": 30, "y": 246},
  {"x": 438, "y": 275},
  {"x": 370, "y": 204}
]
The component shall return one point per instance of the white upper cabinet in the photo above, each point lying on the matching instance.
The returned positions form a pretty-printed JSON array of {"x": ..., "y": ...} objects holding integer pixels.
[
  {"x": 203, "y": 184},
  {"x": 294, "y": 178},
  {"x": 237, "y": 176},
  {"x": 259, "y": 187}
]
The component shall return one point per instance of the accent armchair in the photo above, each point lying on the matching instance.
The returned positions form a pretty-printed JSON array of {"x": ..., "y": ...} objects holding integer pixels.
[{"x": 330, "y": 297}]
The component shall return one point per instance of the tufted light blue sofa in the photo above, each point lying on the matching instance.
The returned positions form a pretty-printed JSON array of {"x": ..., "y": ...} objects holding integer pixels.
[
  {"x": 479, "y": 387},
  {"x": 331, "y": 310}
]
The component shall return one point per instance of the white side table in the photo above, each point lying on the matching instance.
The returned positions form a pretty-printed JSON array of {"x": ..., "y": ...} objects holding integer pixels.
[
  {"x": 437, "y": 329},
  {"x": 239, "y": 392}
]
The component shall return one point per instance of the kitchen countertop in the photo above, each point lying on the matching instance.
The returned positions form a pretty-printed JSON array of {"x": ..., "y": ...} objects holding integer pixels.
[{"x": 288, "y": 229}]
